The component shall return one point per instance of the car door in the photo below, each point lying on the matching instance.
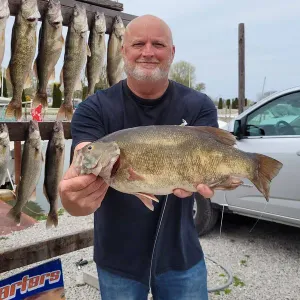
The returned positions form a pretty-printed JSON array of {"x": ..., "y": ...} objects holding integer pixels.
[{"x": 274, "y": 130}]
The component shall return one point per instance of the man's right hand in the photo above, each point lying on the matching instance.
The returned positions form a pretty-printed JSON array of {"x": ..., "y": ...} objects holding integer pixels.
[{"x": 81, "y": 195}]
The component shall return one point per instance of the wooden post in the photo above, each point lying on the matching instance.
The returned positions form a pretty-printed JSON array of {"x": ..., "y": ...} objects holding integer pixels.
[{"x": 241, "y": 68}]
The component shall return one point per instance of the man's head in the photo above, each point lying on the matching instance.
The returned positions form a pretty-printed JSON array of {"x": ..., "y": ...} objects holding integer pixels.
[{"x": 148, "y": 49}]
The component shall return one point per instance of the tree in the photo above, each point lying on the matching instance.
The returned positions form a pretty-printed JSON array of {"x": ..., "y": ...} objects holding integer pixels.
[
  {"x": 184, "y": 73},
  {"x": 228, "y": 103},
  {"x": 220, "y": 105},
  {"x": 4, "y": 88},
  {"x": 56, "y": 96},
  {"x": 200, "y": 87}
]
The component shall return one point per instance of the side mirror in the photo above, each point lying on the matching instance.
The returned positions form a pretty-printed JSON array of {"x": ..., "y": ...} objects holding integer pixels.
[{"x": 237, "y": 130}]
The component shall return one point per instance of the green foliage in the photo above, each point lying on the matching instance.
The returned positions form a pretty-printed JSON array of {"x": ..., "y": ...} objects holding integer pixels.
[
  {"x": 4, "y": 88},
  {"x": 56, "y": 95},
  {"x": 228, "y": 102},
  {"x": 220, "y": 104},
  {"x": 84, "y": 92},
  {"x": 184, "y": 73}
]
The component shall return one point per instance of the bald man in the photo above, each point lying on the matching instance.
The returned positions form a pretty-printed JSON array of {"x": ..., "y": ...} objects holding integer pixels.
[{"x": 137, "y": 251}]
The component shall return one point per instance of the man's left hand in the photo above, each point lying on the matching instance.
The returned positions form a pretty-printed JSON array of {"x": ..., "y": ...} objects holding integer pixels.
[{"x": 202, "y": 189}]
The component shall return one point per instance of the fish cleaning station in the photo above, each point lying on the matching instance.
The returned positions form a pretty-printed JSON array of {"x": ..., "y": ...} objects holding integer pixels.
[{"x": 18, "y": 130}]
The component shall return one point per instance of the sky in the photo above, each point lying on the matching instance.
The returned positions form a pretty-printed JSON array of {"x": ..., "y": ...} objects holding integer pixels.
[{"x": 205, "y": 34}]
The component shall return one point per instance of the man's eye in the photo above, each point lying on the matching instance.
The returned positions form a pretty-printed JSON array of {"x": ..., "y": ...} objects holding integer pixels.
[{"x": 159, "y": 45}]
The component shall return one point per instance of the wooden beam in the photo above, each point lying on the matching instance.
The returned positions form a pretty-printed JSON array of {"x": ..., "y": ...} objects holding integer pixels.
[
  {"x": 33, "y": 253},
  {"x": 18, "y": 130},
  {"x": 67, "y": 10},
  {"x": 241, "y": 68},
  {"x": 105, "y": 3}
]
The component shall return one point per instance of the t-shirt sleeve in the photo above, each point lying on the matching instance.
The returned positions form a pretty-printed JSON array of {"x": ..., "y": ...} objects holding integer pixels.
[
  {"x": 87, "y": 122},
  {"x": 208, "y": 114}
]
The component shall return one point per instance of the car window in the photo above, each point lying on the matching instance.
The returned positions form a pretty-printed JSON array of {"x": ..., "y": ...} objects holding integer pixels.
[{"x": 279, "y": 117}]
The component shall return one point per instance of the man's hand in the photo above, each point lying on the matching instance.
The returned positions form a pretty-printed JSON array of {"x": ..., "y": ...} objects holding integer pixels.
[
  {"x": 81, "y": 195},
  {"x": 202, "y": 189}
]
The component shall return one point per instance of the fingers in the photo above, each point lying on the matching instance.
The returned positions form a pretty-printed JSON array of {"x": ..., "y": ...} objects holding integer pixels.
[
  {"x": 205, "y": 191},
  {"x": 202, "y": 189},
  {"x": 182, "y": 193}
]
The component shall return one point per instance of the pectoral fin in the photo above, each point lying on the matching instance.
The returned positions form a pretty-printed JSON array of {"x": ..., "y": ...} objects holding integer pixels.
[{"x": 146, "y": 200}]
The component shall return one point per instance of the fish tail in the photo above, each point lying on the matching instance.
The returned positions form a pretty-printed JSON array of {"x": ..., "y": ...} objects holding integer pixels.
[
  {"x": 14, "y": 110},
  {"x": 52, "y": 219},
  {"x": 267, "y": 169},
  {"x": 65, "y": 112},
  {"x": 40, "y": 98},
  {"x": 15, "y": 214}
]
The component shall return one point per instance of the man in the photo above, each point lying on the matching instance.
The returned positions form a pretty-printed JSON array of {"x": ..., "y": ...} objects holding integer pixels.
[{"x": 136, "y": 250}]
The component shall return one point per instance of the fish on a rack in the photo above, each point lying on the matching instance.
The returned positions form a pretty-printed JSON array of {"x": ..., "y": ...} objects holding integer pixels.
[
  {"x": 96, "y": 61},
  {"x": 51, "y": 42},
  {"x": 76, "y": 52},
  {"x": 115, "y": 62},
  {"x": 23, "y": 48}
]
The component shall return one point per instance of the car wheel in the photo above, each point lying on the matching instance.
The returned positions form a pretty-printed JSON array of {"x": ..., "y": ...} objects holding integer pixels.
[{"x": 205, "y": 216}]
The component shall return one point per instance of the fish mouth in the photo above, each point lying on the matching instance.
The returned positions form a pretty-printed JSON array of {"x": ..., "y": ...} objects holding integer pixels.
[{"x": 31, "y": 20}]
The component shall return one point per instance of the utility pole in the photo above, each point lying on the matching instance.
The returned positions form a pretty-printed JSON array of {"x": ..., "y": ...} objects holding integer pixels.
[{"x": 241, "y": 44}]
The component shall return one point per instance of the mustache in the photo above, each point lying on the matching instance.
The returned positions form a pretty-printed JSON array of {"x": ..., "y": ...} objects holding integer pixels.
[{"x": 147, "y": 61}]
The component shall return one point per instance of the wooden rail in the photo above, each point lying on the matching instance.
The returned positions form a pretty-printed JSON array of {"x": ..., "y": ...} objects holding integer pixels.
[
  {"x": 67, "y": 8},
  {"x": 26, "y": 255}
]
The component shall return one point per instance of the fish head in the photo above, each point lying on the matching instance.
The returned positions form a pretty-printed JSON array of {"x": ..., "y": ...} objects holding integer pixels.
[
  {"x": 3, "y": 131},
  {"x": 118, "y": 27},
  {"x": 54, "y": 14},
  {"x": 4, "y": 9},
  {"x": 58, "y": 132},
  {"x": 100, "y": 22},
  {"x": 33, "y": 130},
  {"x": 30, "y": 11},
  {"x": 97, "y": 158},
  {"x": 80, "y": 23}
]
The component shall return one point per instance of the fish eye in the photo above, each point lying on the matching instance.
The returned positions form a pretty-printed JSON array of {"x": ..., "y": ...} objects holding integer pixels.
[{"x": 90, "y": 147}]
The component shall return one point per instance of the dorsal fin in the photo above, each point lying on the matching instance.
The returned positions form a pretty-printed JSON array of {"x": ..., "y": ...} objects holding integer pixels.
[{"x": 221, "y": 135}]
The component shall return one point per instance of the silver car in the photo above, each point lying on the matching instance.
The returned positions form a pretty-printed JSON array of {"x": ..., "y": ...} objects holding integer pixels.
[{"x": 271, "y": 127}]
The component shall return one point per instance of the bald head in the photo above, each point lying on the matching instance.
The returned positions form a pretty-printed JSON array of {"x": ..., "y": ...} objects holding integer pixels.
[{"x": 146, "y": 22}]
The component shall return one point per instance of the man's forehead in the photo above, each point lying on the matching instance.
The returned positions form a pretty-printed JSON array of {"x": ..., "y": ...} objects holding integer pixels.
[{"x": 146, "y": 27}]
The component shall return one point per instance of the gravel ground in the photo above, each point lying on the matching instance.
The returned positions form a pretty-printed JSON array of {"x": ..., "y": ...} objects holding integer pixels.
[{"x": 265, "y": 263}]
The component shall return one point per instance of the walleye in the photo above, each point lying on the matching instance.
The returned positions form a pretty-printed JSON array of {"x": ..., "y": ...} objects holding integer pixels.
[
  {"x": 76, "y": 52},
  {"x": 155, "y": 160},
  {"x": 115, "y": 62},
  {"x": 4, "y": 14},
  {"x": 23, "y": 47},
  {"x": 54, "y": 165},
  {"x": 5, "y": 152},
  {"x": 97, "y": 46},
  {"x": 31, "y": 166},
  {"x": 51, "y": 43}
]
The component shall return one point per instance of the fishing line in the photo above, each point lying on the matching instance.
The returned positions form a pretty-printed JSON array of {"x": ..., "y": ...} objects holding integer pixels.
[{"x": 259, "y": 217}]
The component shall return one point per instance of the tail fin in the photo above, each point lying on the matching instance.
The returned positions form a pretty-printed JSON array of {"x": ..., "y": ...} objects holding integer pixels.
[
  {"x": 52, "y": 219},
  {"x": 65, "y": 112},
  {"x": 40, "y": 98},
  {"x": 267, "y": 169},
  {"x": 14, "y": 110},
  {"x": 14, "y": 214}
]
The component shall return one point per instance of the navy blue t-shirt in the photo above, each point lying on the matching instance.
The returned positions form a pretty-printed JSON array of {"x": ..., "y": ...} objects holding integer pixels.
[{"x": 125, "y": 229}]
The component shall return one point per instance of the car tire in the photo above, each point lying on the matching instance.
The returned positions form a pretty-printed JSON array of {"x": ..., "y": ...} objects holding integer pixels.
[{"x": 205, "y": 216}]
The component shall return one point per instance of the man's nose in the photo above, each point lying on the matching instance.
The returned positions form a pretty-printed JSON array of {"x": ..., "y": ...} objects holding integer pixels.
[{"x": 148, "y": 50}]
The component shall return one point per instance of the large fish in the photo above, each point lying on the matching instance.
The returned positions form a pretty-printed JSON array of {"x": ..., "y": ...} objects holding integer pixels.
[
  {"x": 95, "y": 62},
  {"x": 115, "y": 62},
  {"x": 51, "y": 43},
  {"x": 54, "y": 165},
  {"x": 4, "y": 14},
  {"x": 4, "y": 152},
  {"x": 23, "y": 48},
  {"x": 31, "y": 166},
  {"x": 155, "y": 160},
  {"x": 76, "y": 51}
]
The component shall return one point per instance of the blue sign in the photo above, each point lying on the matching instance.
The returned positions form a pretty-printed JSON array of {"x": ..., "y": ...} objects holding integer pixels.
[{"x": 43, "y": 282}]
